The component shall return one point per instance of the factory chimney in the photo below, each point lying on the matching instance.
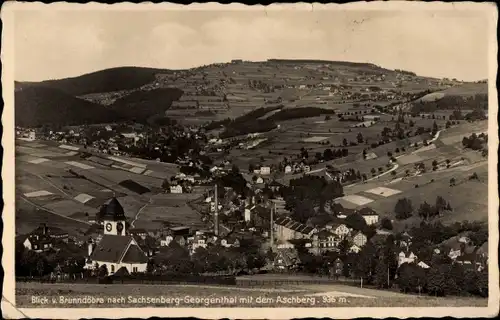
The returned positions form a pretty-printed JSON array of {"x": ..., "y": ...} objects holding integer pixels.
[{"x": 216, "y": 213}]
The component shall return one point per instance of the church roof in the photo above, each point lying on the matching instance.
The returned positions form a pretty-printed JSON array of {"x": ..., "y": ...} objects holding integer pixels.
[
  {"x": 134, "y": 255},
  {"x": 116, "y": 249},
  {"x": 114, "y": 210}
]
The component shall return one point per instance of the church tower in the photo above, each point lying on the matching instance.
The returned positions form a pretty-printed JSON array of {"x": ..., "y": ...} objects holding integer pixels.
[{"x": 114, "y": 218}]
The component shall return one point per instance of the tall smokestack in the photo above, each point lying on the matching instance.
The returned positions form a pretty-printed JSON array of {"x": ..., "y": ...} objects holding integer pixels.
[
  {"x": 272, "y": 225},
  {"x": 216, "y": 213}
]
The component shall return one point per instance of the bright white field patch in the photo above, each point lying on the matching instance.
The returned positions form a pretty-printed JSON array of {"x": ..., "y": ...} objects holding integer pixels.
[
  {"x": 338, "y": 294},
  {"x": 426, "y": 148},
  {"x": 83, "y": 197},
  {"x": 148, "y": 172},
  {"x": 71, "y": 153},
  {"x": 371, "y": 155},
  {"x": 38, "y": 160},
  {"x": 136, "y": 170},
  {"x": 315, "y": 139},
  {"x": 135, "y": 164},
  {"x": 36, "y": 194},
  {"x": 395, "y": 180},
  {"x": 357, "y": 199},
  {"x": 364, "y": 124},
  {"x": 319, "y": 122},
  {"x": 79, "y": 165},
  {"x": 105, "y": 190},
  {"x": 432, "y": 96},
  {"x": 382, "y": 191},
  {"x": 65, "y": 146}
]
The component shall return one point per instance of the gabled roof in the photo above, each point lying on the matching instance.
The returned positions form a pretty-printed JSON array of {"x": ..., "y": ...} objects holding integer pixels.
[
  {"x": 367, "y": 212},
  {"x": 49, "y": 231},
  {"x": 134, "y": 254},
  {"x": 111, "y": 248}
]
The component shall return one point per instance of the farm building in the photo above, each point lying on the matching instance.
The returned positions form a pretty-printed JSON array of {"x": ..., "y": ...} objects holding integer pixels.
[
  {"x": 116, "y": 249},
  {"x": 287, "y": 229}
]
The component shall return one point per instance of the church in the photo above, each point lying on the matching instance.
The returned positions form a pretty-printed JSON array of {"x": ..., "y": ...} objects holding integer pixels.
[{"x": 117, "y": 248}]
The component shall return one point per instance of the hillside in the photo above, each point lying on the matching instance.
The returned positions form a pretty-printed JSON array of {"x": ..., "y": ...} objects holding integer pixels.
[
  {"x": 140, "y": 105},
  {"x": 108, "y": 80},
  {"x": 465, "y": 90},
  {"x": 37, "y": 106}
]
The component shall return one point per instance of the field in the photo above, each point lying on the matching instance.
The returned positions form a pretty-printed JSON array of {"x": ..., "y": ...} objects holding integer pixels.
[
  {"x": 327, "y": 295},
  {"x": 66, "y": 190}
]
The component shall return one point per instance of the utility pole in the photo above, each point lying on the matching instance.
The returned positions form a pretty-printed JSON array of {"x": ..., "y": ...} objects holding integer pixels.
[
  {"x": 216, "y": 213},
  {"x": 388, "y": 286}
]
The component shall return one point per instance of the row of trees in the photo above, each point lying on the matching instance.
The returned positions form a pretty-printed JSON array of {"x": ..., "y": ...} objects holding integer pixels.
[{"x": 404, "y": 208}]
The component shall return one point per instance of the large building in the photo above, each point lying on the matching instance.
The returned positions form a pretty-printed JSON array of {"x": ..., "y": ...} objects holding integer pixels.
[{"x": 116, "y": 249}]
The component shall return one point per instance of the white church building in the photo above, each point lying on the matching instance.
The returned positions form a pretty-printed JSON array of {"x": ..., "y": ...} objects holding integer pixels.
[{"x": 116, "y": 249}]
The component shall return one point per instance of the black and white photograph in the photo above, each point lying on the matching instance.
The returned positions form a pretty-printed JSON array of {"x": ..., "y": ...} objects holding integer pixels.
[{"x": 218, "y": 157}]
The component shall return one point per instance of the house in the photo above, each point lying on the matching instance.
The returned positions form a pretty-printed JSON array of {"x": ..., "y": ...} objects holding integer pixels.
[
  {"x": 248, "y": 211},
  {"x": 288, "y": 169},
  {"x": 53, "y": 232},
  {"x": 325, "y": 240},
  {"x": 359, "y": 239},
  {"x": 354, "y": 249},
  {"x": 470, "y": 260},
  {"x": 265, "y": 170},
  {"x": 275, "y": 186},
  {"x": 38, "y": 243},
  {"x": 370, "y": 216},
  {"x": 406, "y": 257},
  {"x": 259, "y": 180},
  {"x": 261, "y": 217},
  {"x": 176, "y": 189},
  {"x": 181, "y": 240},
  {"x": 286, "y": 259},
  {"x": 116, "y": 248},
  {"x": 138, "y": 232},
  {"x": 340, "y": 229},
  {"x": 230, "y": 242},
  {"x": 287, "y": 229},
  {"x": 423, "y": 265}
]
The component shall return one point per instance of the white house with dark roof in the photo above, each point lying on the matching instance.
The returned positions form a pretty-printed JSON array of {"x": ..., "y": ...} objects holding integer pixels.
[
  {"x": 370, "y": 216},
  {"x": 116, "y": 248}
]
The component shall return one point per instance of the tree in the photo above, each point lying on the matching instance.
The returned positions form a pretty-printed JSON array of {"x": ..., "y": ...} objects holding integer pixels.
[
  {"x": 40, "y": 266},
  {"x": 103, "y": 271},
  {"x": 403, "y": 209},
  {"x": 344, "y": 142},
  {"x": 356, "y": 221},
  {"x": 360, "y": 137},
  {"x": 373, "y": 171},
  {"x": 452, "y": 182},
  {"x": 434, "y": 128},
  {"x": 434, "y": 163},
  {"x": 165, "y": 185},
  {"x": 235, "y": 169},
  {"x": 425, "y": 211},
  {"x": 386, "y": 224},
  {"x": 436, "y": 281},
  {"x": 381, "y": 275},
  {"x": 303, "y": 211},
  {"x": 448, "y": 124},
  {"x": 440, "y": 204}
]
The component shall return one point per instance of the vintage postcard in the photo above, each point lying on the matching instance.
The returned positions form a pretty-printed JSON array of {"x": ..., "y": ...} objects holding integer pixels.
[{"x": 233, "y": 161}]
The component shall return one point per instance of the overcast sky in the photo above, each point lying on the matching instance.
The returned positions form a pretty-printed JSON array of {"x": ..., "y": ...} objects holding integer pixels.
[{"x": 58, "y": 44}]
